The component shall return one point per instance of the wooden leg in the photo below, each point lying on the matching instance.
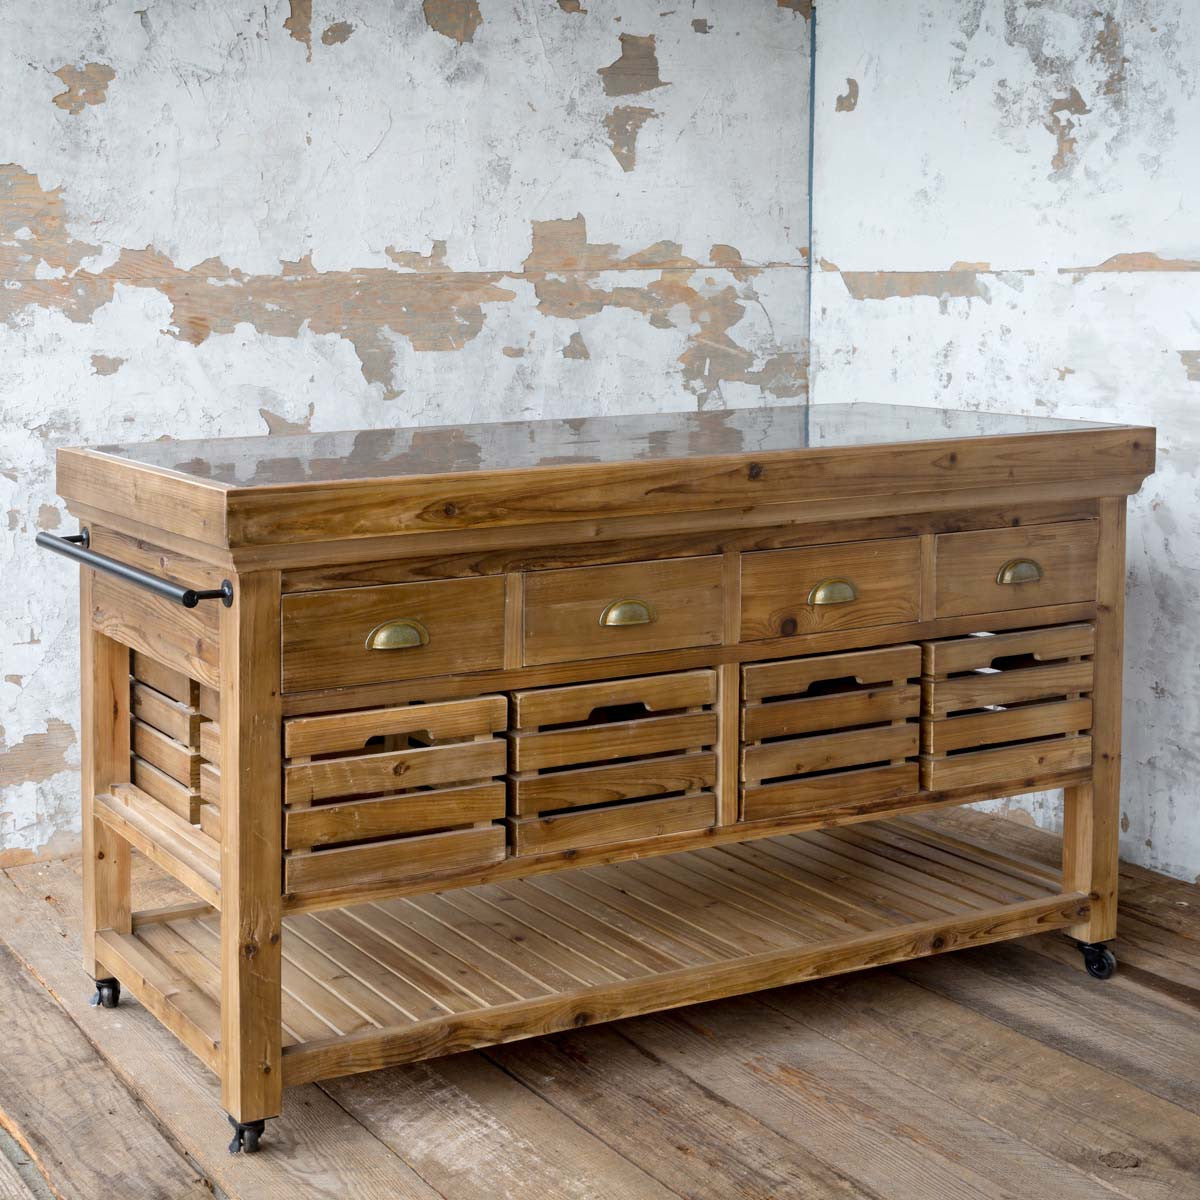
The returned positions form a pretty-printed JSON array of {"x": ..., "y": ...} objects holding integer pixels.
[
  {"x": 104, "y": 675},
  {"x": 251, "y": 851},
  {"x": 1092, "y": 812}
]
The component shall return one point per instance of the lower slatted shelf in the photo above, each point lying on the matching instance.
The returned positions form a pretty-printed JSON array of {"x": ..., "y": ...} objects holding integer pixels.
[{"x": 406, "y": 979}]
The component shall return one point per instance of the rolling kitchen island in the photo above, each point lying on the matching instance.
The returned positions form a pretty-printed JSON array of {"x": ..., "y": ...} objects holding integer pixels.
[{"x": 467, "y": 734}]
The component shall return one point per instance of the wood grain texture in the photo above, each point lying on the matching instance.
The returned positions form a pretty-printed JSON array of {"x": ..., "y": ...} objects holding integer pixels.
[
  {"x": 104, "y": 754},
  {"x": 423, "y": 857},
  {"x": 251, "y": 850},
  {"x": 422, "y": 766},
  {"x": 325, "y": 633},
  {"x": 613, "y": 824},
  {"x": 273, "y": 515},
  {"x": 184, "y": 639},
  {"x": 386, "y": 816},
  {"x": 776, "y": 584},
  {"x": 351, "y": 730},
  {"x": 1091, "y": 817}
]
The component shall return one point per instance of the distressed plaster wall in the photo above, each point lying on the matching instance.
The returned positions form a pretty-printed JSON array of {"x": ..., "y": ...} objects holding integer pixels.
[
  {"x": 1007, "y": 217},
  {"x": 221, "y": 218}
]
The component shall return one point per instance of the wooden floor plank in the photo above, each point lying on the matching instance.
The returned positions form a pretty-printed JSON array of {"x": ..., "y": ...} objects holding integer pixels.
[
  {"x": 1131, "y": 1035},
  {"x": 319, "y": 1152},
  {"x": 1128, "y": 1139},
  {"x": 63, "y": 1105},
  {"x": 893, "y": 1137},
  {"x": 476, "y": 1133},
  {"x": 12, "y": 1186},
  {"x": 676, "y": 1130}
]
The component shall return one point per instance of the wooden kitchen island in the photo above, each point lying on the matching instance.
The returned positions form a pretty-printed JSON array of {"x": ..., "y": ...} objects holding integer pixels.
[{"x": 467, "y": 734}]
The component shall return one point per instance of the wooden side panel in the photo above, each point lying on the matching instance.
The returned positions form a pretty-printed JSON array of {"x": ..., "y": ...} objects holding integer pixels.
[{"x": 185, "y": 639}]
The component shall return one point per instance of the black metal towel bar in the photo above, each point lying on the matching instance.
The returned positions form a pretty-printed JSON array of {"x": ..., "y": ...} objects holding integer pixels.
[{"x": 76, "y": 546}]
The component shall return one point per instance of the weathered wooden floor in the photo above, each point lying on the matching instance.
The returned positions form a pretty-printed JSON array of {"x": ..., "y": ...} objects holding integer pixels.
[{"x": 1003, "y": 1071}]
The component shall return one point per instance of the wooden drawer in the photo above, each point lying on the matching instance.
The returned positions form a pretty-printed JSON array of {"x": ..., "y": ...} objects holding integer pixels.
[
  {"x": 830, "y": 733},
  {"x": 995, "y": 570},
  {"x": 391, "y": 794},
  {"x": 866, "y": 584},
  {"x": 453, "y": 626},
  {"x": 1008, "y": 706},
  {"x": 609, "y": 762},
  {"x": 631, "y": 608}
]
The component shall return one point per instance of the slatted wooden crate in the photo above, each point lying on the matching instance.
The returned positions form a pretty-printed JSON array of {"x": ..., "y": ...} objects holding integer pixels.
[
  {"x": 599, "y": 763},
  {"x": 1006, "y": 706},
  {"x": 393, "y": 793},
  {"x": 830, "y": 731}
]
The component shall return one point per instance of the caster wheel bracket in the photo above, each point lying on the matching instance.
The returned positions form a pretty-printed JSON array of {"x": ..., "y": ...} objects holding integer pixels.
[
  {"x": 1098, "y": 959},
  {"x": 246, "y": 1135},
  {"x": 107, "y": 994}
]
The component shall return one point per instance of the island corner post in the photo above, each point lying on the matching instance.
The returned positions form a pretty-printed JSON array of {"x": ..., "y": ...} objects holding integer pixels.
[{"x": 244, "y": 729}]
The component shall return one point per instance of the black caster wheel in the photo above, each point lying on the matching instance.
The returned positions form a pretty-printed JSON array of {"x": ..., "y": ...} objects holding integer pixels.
[
  {"x": 246, "y": 1135},
  {"x": 107, "y": 994},
  {"x": 1099, "y": 960}
]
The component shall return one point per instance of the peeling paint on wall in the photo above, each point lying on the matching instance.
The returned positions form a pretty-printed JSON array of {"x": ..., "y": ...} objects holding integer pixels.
[
  {"x": 636, "y": 70},
  {"x": 86, "y": 85},
  {"x": 849, "y": 101},
  {"x": 375, "y": 225},
  {"x": 623, "y": 125},
  {"x": 456, "y": 19},
  {"x": 299, "y": 23},
  {"x": 337, "y": 33}
]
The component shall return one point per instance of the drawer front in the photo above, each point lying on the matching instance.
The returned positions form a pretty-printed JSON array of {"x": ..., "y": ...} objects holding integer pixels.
[
  {"x": 830, "y": 734},
  {"x": 448, "y": 626},
  {"x": 1005, "y": 707},
  {"x": 631, "y": 608},
  {"x": 996, "y": 570},
  {"x": 854, "y": 585},
  {"x": 390, "y": 794},
  {"x": 601, "y": 763}
]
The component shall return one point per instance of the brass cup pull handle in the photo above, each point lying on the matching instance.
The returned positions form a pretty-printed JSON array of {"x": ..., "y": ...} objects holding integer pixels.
[
  {"x": 627, "y": 612},
  {"x": 833, "y": 591},
  {"x": 1019, "y": 570},
  {"x": 404, "y": 634}
]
